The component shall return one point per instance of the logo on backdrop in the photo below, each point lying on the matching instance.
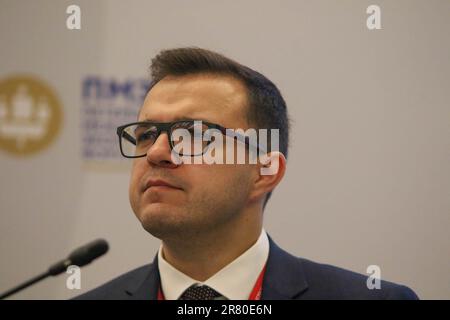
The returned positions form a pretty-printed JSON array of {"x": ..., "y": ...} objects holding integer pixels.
[
  {"x": 106, "y": 104},
  {"x": 30, "y": 115}
]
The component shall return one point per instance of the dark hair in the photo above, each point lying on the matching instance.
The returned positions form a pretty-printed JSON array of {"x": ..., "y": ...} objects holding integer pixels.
[{"x": 266, "y": 107}]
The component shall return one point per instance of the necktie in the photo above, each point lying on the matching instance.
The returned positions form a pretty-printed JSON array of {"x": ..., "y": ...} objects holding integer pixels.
[{"x": 195, "y": 292}]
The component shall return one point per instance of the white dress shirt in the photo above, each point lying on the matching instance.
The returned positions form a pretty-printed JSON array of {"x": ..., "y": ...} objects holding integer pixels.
[{"x": 235, "y": 281}]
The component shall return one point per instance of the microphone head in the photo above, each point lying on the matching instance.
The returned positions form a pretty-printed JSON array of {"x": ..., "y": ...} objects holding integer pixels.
[
  {"x": 81, "y": 256},
  {"x": 88, "y": 252}
]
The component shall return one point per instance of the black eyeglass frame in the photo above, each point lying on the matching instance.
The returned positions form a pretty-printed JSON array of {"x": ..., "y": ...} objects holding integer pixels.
[{"x": 167, "y": 127}]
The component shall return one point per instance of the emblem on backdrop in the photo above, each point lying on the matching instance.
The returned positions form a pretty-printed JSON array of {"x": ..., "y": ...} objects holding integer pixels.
[{"x": 30, "y": 115}]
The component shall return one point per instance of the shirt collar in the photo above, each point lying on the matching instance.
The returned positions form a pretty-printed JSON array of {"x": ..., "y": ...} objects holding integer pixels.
[{"x": 235, "y": 281}]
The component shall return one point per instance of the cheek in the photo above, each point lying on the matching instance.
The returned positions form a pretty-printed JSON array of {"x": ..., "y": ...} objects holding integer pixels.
[
  {"x": 135, "y": 179},
  {"x": 218, "y": 177}
]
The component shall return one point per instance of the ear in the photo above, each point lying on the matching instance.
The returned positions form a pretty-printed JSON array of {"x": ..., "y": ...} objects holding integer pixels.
[{"x": 270, "y": 171}]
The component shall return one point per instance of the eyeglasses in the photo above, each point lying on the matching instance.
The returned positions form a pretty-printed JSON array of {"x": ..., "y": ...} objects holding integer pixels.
[{"x": 136, "y": 138}]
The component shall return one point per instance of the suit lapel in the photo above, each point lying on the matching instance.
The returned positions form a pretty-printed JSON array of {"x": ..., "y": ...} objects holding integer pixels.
[
  {"x": 284, "y": 278},
  {"x": 146, "y": 285}
]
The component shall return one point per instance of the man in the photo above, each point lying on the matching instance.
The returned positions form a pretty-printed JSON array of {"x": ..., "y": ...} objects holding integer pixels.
[{"x": 209, "y": 217}]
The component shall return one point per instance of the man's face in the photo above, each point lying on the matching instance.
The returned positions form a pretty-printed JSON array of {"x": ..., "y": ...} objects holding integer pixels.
[{"x": 207, "y": 196}]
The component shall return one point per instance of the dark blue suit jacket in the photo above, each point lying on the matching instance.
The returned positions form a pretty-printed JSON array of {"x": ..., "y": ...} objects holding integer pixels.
[{"x": 287, "y": 277}]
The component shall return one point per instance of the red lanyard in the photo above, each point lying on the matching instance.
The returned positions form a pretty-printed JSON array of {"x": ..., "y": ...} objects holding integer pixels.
[{"x": 254, "y": 295}]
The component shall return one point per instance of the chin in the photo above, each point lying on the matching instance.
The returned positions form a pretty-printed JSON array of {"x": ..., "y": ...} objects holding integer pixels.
[
  {"x": 156, "y": 211},
  {"x": 161, "y": 220}
]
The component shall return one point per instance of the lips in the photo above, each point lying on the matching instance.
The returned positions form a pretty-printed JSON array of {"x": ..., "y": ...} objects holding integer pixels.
[{"x": 158, "y": 183}]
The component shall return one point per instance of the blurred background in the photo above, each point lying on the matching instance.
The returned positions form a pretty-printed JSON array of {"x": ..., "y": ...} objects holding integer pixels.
[{"x": 368, "y": 180}]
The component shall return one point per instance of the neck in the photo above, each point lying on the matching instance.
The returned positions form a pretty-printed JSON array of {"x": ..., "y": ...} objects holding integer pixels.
[{"x": 202, "y": 256}]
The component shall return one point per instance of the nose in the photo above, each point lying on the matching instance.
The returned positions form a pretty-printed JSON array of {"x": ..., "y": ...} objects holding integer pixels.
[{"x": 159, "y": 154}]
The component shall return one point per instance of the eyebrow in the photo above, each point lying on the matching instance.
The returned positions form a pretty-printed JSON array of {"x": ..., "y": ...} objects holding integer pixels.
[{"x": 175, "y": 119}]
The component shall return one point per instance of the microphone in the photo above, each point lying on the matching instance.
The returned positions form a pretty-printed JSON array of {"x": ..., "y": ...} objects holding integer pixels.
[{"x": 79, "y": 257}]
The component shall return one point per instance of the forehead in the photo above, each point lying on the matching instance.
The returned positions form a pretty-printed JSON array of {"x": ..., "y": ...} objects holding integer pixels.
[{"x": 214, "y": 98}]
